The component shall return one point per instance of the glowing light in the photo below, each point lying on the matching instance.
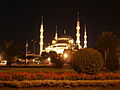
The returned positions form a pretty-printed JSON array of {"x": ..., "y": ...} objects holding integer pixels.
[
  {"x": 0, "y": 57},
  {"x": 41, "y": 37},
  {"x": 59, "y": 51},
  {"x": 49, "y": 59},
  {"x": 85, "y": 38},
  {"x": 53, "y": 42},
  {"x": 78, "y": 33},
  {"x": 65, "y": 55},
  {"x": 33, "y": 60}
]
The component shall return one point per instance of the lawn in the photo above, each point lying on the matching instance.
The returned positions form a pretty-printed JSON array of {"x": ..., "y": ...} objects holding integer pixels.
[{"x": 35, "y": 69}]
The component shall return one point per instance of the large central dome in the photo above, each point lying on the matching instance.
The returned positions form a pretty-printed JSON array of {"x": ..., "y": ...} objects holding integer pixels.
[{"x": 61, "y": 43}]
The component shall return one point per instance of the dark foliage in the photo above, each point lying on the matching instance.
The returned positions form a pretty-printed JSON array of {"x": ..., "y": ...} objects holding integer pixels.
[
  {"x": 56, "y": 59},
  {"x": 107, "y": 44},
  {"x": 11, "y": 52},
  {"x": 87, "y": 60},
  {"x": 112, "y": 62},
  {"x": 45, "y": 55}
]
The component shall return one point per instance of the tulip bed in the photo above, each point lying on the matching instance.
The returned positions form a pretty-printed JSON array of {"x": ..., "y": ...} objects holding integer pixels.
[
  {"x": 21, "y": 76},
  {"x": 51, "y": 79}
]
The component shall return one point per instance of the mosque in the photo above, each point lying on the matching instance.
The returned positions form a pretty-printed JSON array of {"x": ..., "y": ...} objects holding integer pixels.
[{"x": 60, "y": 43}]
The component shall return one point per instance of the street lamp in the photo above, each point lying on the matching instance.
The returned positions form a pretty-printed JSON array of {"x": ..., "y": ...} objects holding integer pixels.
[
  {"x": 0, "y": 57},
  {"x": 26, "y": 51},
  {"x": 65, "y": 55},
  {"x": 49, "y": 59},
  {"x": 34, "y": 52}
]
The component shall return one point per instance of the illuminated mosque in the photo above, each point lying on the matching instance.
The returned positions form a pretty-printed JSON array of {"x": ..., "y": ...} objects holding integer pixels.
[{"x": 60, "y": 43}]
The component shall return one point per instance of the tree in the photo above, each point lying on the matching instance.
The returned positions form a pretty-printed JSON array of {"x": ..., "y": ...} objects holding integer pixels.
[
  {"x": 87, "y": 60},
  {"x": 11, "y": 52},
  {"x": 107, "y": 44}
]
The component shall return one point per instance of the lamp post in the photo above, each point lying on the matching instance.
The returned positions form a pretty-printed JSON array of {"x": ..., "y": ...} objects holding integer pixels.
[
  {"x": 34, "y": 51},
  {"x": 0, "y": 57},
  {"x": 65, "y": 55},
  {"x": 26, "y": 51}
]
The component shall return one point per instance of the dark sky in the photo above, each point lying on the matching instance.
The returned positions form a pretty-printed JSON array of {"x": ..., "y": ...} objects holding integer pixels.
[{"x": 20, "y": 19}]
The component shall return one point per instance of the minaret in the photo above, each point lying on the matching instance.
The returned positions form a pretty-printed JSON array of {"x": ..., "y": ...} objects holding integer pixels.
[
  {"x": 41, "y": 36},
  {"x": 56, "y": 36},
  {"x": 78, "y": 33},
  {"x": 85, "y": 37}
]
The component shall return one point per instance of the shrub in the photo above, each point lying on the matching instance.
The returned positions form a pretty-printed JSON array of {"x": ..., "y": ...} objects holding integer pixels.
[
  {"x": 87, "y": 60},
  {"x": 57, "y": 83}
]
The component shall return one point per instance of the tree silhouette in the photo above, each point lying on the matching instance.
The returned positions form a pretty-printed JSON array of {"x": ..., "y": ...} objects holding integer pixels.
[
  {"x": 107, "y": 44},
  {"x": 56, "y": 59},
  {"x": 11, "y": 52}
]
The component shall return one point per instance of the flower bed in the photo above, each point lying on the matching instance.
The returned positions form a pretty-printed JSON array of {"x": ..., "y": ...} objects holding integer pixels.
[{"x": 20, "y": 76}]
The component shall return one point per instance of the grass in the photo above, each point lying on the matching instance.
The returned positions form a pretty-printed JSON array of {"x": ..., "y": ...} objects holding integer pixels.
[
  {"x": 10, "y": 69},
  {"x": 80, "y": 88},
  {"x": 35, "y": 69}
]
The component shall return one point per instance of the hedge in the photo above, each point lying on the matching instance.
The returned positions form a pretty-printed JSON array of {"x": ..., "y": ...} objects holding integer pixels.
[{"x": 59, "y": 83}]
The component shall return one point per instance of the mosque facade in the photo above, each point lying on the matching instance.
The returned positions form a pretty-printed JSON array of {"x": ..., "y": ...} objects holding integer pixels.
[{"x": 63, "y": 42}]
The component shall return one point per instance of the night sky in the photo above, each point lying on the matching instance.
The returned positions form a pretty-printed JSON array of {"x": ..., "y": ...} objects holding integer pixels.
[{"x": 20, "y": 19}]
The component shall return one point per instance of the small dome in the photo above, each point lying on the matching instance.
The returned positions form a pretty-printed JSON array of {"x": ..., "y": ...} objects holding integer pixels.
[{"x": 65, "y": 36}]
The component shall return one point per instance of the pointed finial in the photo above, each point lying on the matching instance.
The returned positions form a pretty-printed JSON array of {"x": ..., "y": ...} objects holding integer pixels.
[
  {"x": 78, "y": 13},
  {"x": 78, "y": 16},
  {"x": 85, "y": 27},
  {"x": 26, "y": 44},
  {"x": 56, "y": 28},
  {"x": 64, "y": 31},
  {"x": 42, "y": 20},
  {"x": 56, "y": 36}
]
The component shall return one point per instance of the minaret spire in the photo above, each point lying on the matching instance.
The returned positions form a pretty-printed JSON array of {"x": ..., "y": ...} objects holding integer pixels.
[
  {"x": 78, "y": 17},
  {"x": 78, "y": 32},
  {"x": 85, "y": 37},
  {"x": 64, "y": 31},
  {"x": 56, "y": 36},
  {"x": 41, "y": 36}
]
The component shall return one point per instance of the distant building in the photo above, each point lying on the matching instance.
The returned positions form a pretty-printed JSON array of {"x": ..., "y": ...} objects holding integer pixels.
[
  {"x": 60, "y": 43},
  {"x": 3, "y": 62}
]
